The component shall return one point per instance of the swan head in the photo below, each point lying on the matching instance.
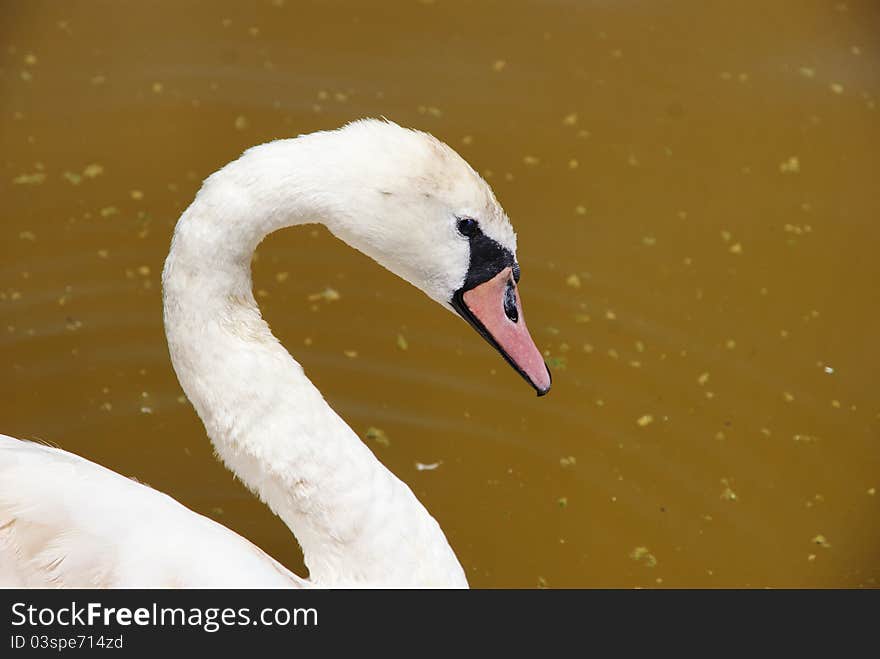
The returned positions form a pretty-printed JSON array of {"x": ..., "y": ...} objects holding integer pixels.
[{"x": 415, "y": 206}]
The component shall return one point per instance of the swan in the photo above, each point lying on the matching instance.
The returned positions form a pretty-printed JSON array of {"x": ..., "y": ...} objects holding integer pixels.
[{"x": 400, "y": 196}]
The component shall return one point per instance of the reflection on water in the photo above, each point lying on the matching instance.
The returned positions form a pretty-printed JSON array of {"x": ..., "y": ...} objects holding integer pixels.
[{"x": 694, "y": 191}]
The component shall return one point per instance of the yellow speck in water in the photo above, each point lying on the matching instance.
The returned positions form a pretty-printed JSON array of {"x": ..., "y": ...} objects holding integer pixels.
[
  {"x": 378, "y": 435},
  {"x": 580, "y": 210},
  {"x": 872, "y": 491},
  {"x": 93, "y": 170},
  {"x": 644, "y": 556},
  {"x": 822, "y": 541},
  {"x": 836, "y": 87},
  {"x": 27, "y": 235},
  {"x": 499, "y": 65},
  {"x": 281, "y": 277},
  {"x": 588, "y": 348},
  {"x": 137, "y": 195},
  {"x": 644, "y": 420},
  {"x": 610, "y": 315},
  {"x": 582, "y": 318},
  {"x": 531, "y": 160},
  {"x": 570, "y": 119},
  {"x": 788, "y": 397},
  {"x": 29, "y": 179},
  {"x": 736, "y": 248},
  {"x": 157, "y": 87},
  {"x": 790, "y": 166},
  {"x": 807, "y": 72},
  {"x": 726, "y": 235},
  {"x": 649, "y": 241},
  {"x": 144, "y": 270},
  {"x": 351, "y": 354},
  {"x": 573, "y": 280},
  {"x": 402, "y": 343},
  {"x": 72, "y": 178},
  {"x": 328, "y": 295},
  {"x": 727, "y": 494},
  {"x": 766, "y": 432},
  {"x": 467, "y": 139},
  {"x": 241, "y": 122},
  {"x": 730, "y": 344},
  {"x": 573, "y": 163},
  {"x": 562, "y": 502},
  {"x": 108, "y": 211},
  {"x": 703, "y": 379},
  {"x": 567, "y": 461}
]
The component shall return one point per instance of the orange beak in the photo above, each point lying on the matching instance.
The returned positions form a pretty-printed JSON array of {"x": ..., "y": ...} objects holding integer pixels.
[{"x": 495, "y": 311}]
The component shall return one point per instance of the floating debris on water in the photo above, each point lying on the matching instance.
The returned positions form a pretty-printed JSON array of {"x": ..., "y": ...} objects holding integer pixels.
[
  {"x": 573, "y": 280},
  {"x": 821, "y": 540},
  {"x": 559, "y": 363},
  {"x": 241, "y": 122},
  {"x": 790, "y": 166},
  {"x": 644, "y": 556},
  {"x": 727, "y": 494},
  {"x": 562, "y": 502},
  {"x": 29, "y": 179},
  {"x": 402, "y": 343},
  {"x": 567, "y": 461},
  {"x": 431, "y": 466},
  {"x": 645, "y": 420},
  {"x": 378, "y": 435},
  {"x": 328, "y": 295}
]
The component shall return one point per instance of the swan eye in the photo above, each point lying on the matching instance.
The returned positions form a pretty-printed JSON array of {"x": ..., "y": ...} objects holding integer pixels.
[{"x": 468, "y": 226}]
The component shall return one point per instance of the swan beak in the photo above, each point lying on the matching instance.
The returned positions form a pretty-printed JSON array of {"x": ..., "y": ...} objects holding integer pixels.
[{"x": 495, "y": 311}]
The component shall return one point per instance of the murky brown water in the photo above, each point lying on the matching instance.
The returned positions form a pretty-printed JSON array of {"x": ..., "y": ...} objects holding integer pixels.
[{"x": 696, "y": 198}]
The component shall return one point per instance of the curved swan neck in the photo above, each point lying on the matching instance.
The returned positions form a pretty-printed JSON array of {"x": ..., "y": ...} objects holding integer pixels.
[{"x": 355, "y": 521}]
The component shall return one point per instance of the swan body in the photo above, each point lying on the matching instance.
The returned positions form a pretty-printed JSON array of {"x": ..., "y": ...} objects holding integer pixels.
[{"x": 403, "y": 198}]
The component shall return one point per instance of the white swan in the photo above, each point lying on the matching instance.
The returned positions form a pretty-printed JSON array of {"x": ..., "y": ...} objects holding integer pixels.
[{"x": 403, "y": 198}]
